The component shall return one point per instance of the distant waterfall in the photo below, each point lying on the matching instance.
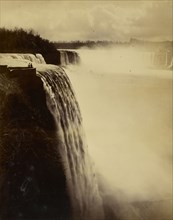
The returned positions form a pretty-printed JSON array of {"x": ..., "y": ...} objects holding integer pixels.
[
  {"x": 64, "y": 58},
  {"x": 159, "y": 59},
  {"x": 171, "y": 64},
  {"x": 163, "y": 59},
  {"x": 68, "y": 57},
  {"x": 45, "y": 169}
]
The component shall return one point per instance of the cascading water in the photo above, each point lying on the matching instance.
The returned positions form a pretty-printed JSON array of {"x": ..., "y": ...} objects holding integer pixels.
[
  {"x": 68, "y": 57},
  {"x": 171, "y": 64},
  {"x": 64, "y": 58},
  {"x": 38, "y": 58},
  {"x": 160, "y": 59},
  {"x": 81, "y": 180},
  {"x": 45, "y": 170}
]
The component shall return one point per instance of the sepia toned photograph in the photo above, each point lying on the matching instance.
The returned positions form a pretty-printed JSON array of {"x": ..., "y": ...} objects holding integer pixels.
[{"x": 86, "y": 110}]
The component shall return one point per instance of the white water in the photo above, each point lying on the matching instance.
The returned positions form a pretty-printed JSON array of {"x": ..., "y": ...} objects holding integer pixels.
[
  {"x": 127, "y": 112},
  {"x": 81, "y": 181},
  {"x": 22, "y": 57}
]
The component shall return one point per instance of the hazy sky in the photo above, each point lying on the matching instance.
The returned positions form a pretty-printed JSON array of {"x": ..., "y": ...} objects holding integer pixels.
[{"x": 91, "y": 20}]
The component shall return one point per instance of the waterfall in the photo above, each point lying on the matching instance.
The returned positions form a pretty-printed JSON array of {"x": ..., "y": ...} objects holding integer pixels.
[
  {"x": 68, "y": 57},
  {"x": 45, "y": 169},
  {"x": 38, "y": 58},
  {"x": 171, "y": 64},
  {"x": 158, "y": 59},
  {"x": 162, "y": 59},
  {"x": 64, "y": 58},
  {"x": 81, "y": 180}
]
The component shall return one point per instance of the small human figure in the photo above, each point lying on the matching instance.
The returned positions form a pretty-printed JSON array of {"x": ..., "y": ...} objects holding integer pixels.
[{"x": 30, "y": 65}]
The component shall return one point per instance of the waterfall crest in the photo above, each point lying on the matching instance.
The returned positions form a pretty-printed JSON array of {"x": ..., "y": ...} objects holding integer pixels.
[{"x": 37, "y": 58}]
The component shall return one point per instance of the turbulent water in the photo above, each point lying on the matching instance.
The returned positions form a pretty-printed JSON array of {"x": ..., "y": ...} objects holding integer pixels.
[{"x": 127, "y": 112}]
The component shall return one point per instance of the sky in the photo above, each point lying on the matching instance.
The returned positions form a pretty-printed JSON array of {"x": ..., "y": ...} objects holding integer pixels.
[{"x": 91, "y": 20}]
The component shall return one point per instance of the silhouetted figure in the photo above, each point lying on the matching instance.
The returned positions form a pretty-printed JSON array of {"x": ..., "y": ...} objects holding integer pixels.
[{"x": 30, "y": 65}]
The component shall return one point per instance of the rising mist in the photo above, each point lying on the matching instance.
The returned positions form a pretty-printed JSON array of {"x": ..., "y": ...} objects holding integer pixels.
[{"x": 126, "y": 104}]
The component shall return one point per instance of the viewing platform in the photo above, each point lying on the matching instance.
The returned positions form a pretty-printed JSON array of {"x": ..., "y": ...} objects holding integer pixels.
[{"x": 6, "y": 69}]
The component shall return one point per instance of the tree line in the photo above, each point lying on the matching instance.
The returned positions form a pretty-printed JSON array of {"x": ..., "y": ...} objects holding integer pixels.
[
  {"x": 19, "y": 40},
  {"x": 145, "y": 45}
]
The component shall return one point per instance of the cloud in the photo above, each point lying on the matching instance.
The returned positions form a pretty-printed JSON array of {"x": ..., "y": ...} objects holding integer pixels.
[
  {"x": 86, "y": 20},
  {"x": 157, "y": 23}
]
